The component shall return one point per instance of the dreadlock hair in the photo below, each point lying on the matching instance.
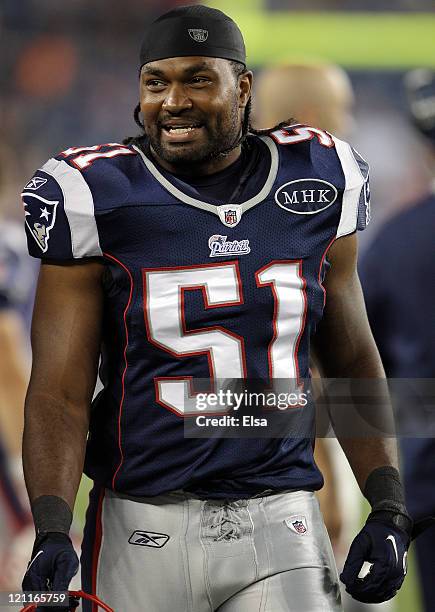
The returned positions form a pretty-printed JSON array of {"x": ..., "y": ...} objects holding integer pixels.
[{"x": 238, "y": 70}]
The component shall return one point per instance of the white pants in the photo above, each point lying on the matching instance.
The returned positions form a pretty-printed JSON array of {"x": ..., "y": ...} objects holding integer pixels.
[{"x": 177, "y": 553}]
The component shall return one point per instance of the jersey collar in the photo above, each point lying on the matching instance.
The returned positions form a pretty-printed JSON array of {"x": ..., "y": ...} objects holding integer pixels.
[{"x": 220, "y": 211}]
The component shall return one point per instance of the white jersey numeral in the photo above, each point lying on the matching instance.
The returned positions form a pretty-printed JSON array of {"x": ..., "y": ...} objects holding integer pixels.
[
  {"x": 300, "y": 133},
  {"x": 164, "y": 293},
  {"x": 288, "y": 288},
  {"x": 85, "y": 156}
]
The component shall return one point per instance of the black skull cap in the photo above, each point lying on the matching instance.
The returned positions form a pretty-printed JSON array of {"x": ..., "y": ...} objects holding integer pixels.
[{"x": 195, "y": 30}]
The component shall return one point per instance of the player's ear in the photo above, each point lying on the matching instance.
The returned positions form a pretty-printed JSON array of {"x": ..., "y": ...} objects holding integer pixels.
[{"x": 245, "y": 88}]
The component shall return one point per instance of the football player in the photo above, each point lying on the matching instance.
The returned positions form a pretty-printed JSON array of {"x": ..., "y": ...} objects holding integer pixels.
[{"x": 200, "y": 250}]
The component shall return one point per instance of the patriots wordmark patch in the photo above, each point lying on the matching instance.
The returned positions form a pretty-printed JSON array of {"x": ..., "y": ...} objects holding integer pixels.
[
  {"x": 221, "y": 247},
  {"x": 36, "y": 183},
  {"x": 40, "y": 217},
  {"x": 148, "y": 538},
  {"x": 298, "y": 524},
  {"x": 198, "y": 35}
]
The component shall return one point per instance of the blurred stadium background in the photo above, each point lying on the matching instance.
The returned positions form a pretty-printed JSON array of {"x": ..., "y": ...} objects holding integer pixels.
[{"x": 69, "y": 78}]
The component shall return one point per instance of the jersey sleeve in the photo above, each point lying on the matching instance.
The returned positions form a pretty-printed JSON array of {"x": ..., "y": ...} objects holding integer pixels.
[
  {"x": 355, "y": 213},
  {"x": 59, "y": 214}
]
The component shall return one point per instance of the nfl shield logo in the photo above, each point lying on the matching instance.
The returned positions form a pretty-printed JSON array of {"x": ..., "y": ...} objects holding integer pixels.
[
  {"x": 198, "y": 35},
  {"x": 230, "y": 214},
  {"x": 297, "y": 524},
  {"x": 230, "y": 217}
]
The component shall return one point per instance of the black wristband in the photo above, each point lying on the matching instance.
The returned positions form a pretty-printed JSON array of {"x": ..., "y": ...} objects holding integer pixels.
[
  {"x": 51, "y": 513},
  {"x": 384, "y": 491},
  {"x": 384, "y": 484}
]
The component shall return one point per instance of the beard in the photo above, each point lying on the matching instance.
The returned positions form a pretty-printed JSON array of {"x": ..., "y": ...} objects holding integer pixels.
[{"x": 221, "y": 137}]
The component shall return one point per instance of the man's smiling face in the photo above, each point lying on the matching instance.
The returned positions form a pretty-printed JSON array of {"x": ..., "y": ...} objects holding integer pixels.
[{"x": 192, "y": 109}]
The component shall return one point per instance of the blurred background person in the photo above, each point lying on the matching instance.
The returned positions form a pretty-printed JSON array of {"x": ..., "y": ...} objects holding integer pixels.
[
  {"x": 398, "y": 276},
  {"x": 16, "y": 289},
  {"x": 16, "y": 528},
  {"x": 319, "y": 95},
  {"x": 18, "y": 274},
  {"x": 316, "y": 94}
]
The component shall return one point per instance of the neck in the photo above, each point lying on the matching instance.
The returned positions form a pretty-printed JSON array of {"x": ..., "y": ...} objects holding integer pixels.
[{"x": 205, "y": 168}]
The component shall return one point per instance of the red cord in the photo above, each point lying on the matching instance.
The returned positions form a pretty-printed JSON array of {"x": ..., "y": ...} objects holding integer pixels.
[{"x": 83, "y": 595}]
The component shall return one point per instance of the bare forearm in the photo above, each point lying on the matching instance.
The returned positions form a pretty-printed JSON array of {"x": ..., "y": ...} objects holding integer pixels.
[
  {"x": 366, "y": 434},
  {"x": 364, "y": 424},
  {"x": 365, "y": 455},
  {"x": 347, "y": 352},
  {"x": 66, "y": 331},
  {"x": 53, "y": 446}
]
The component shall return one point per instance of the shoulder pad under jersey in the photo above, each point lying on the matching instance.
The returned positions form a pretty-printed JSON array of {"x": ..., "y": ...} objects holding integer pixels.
[
  {"x": 59, "y": 200},
  {"x": 328, "y": 153}
]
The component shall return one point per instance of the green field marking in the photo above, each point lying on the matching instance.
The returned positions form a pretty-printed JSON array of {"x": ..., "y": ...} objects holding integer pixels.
[
  {"x": 354, "y": 40},
  {"x": 227, "y": 6},
  {"x": 82, "y": 502},
  {"x": 408, "y": 599}
]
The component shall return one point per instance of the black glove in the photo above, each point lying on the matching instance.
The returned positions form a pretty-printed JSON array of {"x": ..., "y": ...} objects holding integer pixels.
[
  {"x": 53, "y": 565},
  {"x": 375, "y": 567},
  {"x": 376, "y": 564}
]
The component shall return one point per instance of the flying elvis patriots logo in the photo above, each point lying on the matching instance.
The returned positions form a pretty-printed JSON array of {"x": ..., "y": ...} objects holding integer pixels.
[{"x": 40, "y": 217}]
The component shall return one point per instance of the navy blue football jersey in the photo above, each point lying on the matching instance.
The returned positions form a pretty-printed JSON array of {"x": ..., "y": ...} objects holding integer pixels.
[{"x": 199, "y": 289}]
